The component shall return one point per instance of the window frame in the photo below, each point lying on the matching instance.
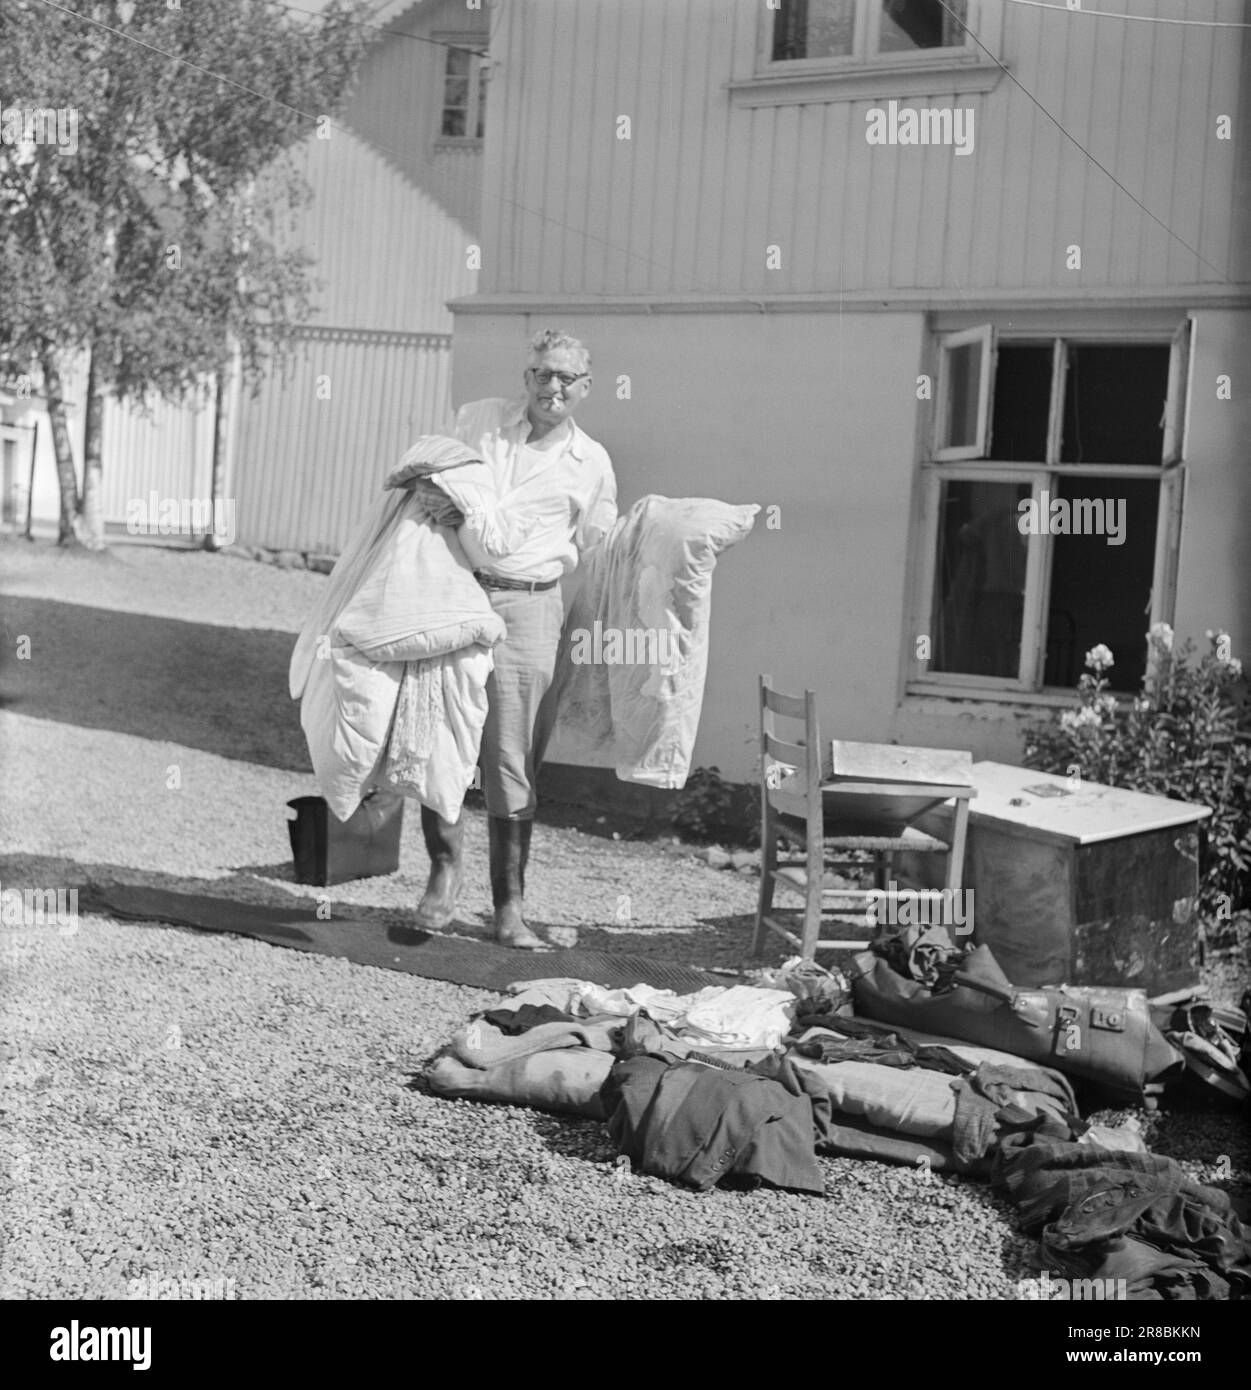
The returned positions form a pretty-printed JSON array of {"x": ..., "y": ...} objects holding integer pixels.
[
  {"x": 923, "y": 72},
  {"x": 866, "y": 38},
  {"x": 1170, "y": 473},
  {"x": 479, "y": 69}
]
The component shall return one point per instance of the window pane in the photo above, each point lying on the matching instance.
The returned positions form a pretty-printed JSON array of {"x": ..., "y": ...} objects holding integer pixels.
[
  {"x": 961, "y": 386},
  {"x": 979, "y": 587},
  {"x": 456, "y": 91},
  {"x": 912, "y": 24},
  {"x": 1022, "y": 404},
  {"x": 457, "y": 61},
  {"x": 1101, "y": 592},
  {"x": 1114, "y": 404},
  {"x": 453, "y": 122},
  {"x": 814, "y": 29}
]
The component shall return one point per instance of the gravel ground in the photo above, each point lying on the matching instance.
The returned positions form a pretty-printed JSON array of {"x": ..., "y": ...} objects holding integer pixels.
[{"x": 183, "y": 1106}]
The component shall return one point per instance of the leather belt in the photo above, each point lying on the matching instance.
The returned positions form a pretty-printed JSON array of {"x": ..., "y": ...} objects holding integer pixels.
[{"x": 527, "y": 586}]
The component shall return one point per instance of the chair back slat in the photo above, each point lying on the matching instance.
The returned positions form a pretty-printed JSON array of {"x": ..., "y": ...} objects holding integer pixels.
[{"x": 793, "y": 753}]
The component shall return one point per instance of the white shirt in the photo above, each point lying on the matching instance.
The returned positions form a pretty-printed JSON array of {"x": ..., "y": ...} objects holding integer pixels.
[{"x": 565, "y": 493}]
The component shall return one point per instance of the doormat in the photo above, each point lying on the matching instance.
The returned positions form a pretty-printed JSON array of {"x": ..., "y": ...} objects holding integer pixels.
[{"x": 482, "y": 964}]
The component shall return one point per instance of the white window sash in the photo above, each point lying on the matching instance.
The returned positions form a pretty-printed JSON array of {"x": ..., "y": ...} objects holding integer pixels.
[
  {"x": 1176, "y": 405},
  {"x": 866, "y": 36},
  {"x": 984, "y": 336}
]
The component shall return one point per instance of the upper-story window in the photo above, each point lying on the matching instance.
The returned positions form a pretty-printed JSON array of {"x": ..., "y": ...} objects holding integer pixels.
[
  {"x": 464, "y": 95},
  {"x": 866, "y": 29},
  {"x": 844, "y": 50}
]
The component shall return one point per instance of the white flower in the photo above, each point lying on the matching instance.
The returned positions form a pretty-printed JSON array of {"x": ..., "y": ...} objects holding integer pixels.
[
  {"x": 1233, "y": 666},
  {"x": 1099, "y": 658},
  {"x": 1162, "y": 635},
  {"x": 1142, "y": 704},
  {"x": 1072, "y": 721}
]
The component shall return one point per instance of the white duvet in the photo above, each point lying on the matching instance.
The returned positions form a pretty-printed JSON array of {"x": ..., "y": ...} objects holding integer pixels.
[{"x": 391, "y": 669}]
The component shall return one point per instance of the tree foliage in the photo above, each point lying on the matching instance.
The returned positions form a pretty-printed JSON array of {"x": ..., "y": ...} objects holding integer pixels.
[{"x": 157, "y": 244}]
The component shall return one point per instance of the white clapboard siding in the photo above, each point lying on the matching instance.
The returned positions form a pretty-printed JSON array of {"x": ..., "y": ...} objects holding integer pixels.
[
  {"x": 688, "y": 204},
  {"x": 308, "y": 467}
]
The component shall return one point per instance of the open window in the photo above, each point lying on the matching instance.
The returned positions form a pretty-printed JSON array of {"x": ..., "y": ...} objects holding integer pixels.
[
  {"x": 1175, "y": 402},
  {"x": 966, "y": 371},
  {"x": 1051, "y": 508}
]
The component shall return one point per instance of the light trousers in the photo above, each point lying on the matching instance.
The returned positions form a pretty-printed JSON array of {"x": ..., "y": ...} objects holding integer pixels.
[{"x": 524, "y": 665}]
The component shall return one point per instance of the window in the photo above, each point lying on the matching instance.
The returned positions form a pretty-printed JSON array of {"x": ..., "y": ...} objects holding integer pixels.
[
  {"x": 1051, "y": 503},
  {"x": 464, "y": 96},
  {"x": 841, "y": 50},
  {"x": 865, "y": 29}
]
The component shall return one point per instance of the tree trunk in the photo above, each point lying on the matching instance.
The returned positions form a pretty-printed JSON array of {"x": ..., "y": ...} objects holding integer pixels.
[
  {"x": 217, "y": 492},
  {"x": 91, "y": 511},
  {"x": 67, "y": 529}
]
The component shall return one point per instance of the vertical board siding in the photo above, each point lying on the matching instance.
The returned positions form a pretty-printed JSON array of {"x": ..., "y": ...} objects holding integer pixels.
[
  {"x": 689, "y": 204},
  {"x": 315, "y": 465},
  {"x": 168, "y": 450},
  {"x": 393, "y": 213}
]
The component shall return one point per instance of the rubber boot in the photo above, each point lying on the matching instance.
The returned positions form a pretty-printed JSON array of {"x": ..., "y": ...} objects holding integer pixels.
[
  {"x": 510, "y": 848},
  {"x": 444, "y": 843}
]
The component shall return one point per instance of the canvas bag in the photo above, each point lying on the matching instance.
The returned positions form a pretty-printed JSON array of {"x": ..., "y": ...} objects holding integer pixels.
[{"x": 1101, "y": 1034}]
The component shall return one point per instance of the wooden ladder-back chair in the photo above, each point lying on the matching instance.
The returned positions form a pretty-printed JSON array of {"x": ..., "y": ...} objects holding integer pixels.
[{"x": 826, "y": 816}]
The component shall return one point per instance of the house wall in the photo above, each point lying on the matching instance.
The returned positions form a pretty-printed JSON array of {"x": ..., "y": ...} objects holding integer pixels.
[
  {"x": 826, "y": 433},
  {"x": 392, "y": 216},
  {"x": 818, "y": 434},
  {"x": 796, "y": 387},
  {"x": 688, "y": 204}
]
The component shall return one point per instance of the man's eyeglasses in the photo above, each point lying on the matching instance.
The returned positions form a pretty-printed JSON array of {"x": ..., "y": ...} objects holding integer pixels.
[{"x": 543, "y": 377}]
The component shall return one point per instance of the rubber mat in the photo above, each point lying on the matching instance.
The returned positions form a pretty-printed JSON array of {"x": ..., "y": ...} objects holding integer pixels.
[{"x": 479, "y": 963}]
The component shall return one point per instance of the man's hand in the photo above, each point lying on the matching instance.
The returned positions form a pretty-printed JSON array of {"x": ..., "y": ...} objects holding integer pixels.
[{"x": 436, "y": 503}]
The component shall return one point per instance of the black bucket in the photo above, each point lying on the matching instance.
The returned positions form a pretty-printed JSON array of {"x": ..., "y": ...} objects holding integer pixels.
[{"x": 329, "y": 850}]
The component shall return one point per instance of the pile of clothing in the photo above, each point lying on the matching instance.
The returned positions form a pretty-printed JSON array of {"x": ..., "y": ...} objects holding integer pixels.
[
  {"x": 717, "y": 1069},
  {"x": 748, "y": 1084}
]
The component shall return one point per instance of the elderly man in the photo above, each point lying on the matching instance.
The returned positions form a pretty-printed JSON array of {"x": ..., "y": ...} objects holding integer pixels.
[{"x": 558, "y": 484}]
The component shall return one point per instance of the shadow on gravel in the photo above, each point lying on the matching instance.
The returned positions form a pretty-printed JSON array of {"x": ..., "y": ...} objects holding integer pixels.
[
  {"x": 219, "y": 689},
  {"x": 240, "y": 889}
]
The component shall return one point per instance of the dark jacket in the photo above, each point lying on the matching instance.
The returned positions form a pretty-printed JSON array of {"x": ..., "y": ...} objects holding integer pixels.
[{"x": 696, "y": 1124}]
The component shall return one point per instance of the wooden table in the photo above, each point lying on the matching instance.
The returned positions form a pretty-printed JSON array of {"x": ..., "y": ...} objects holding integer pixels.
[{"x": 1081, "y": 883}]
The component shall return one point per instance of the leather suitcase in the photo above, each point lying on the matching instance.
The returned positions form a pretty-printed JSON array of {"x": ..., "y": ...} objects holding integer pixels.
[
  {"x": 1100, "y": 1034},
  {"x": 327, "y": 850}
]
